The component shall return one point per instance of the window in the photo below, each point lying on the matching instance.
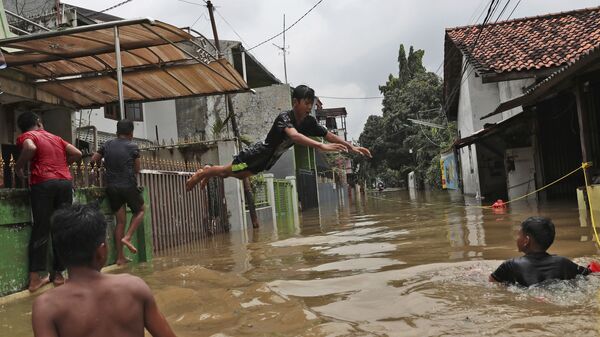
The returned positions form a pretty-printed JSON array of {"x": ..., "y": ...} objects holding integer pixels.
[
  {"x": 111, "y": 111},
  {"x": 133, "y": 111}
]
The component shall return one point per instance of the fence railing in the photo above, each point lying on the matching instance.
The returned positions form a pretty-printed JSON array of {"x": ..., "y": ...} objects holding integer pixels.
[
  {"x": 283, "y": 190},
  {"x": 178, "y": 217},
  {"x": 259, "y": 191}
]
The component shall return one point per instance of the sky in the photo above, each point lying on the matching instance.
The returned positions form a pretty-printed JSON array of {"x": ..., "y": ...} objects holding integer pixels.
[{"x": 342, "y": 48}]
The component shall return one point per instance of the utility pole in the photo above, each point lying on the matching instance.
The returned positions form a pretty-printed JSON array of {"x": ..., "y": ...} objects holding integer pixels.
[
  {"x": 284, "y": 51},
  {"x": 236, "y": 131}
]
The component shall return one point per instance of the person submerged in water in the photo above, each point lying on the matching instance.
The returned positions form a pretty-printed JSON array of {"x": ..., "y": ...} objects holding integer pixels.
[
  {"x": 91, "y": 303},
  {"x": 290, "y": 127},
  {"x": 535, "y": 236}
]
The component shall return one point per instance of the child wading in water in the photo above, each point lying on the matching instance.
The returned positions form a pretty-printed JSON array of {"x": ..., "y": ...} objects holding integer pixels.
[
  {"x": 290, "y": 127},
  {"x": 534, "y": 238},
  {"x": 91, "y": 303}
]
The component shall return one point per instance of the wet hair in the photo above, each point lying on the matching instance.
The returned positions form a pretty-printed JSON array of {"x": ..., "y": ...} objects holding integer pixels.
[
  {"x": 77, "y": 231},
  {"x": 124, "y": 127},
  {"x": 27, "y": 120},
  {"x": 540, "y": 229},
  {"x": 303, "y": 92}
]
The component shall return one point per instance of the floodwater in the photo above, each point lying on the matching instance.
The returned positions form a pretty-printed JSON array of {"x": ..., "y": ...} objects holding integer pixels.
[{"x": 394, "y": 264}]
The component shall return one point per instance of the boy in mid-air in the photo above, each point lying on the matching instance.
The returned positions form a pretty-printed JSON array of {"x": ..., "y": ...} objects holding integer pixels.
[
  {"x": 290, "y": 127},
  {"x": 534, "y": 238},
  {"x": 91, "y": 303}
]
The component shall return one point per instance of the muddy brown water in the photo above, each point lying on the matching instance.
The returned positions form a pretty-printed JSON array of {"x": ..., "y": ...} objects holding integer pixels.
[{"x": 394, "y": 264}]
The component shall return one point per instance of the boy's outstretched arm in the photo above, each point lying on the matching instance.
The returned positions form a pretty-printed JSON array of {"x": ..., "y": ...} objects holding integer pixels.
[
  {"x": 301, "y": 139},
  {"x": 332, "y": 138},
  {"x": 154, "y": 321}
]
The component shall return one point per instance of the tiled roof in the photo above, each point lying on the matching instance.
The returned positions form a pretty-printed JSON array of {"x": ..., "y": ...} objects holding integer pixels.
[{"x": 531, "y": 43}]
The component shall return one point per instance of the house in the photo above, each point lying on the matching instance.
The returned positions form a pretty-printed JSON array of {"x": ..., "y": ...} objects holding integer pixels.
[
  {"x": 55, "y": 73},
  {"x": 518, "y": 128}
]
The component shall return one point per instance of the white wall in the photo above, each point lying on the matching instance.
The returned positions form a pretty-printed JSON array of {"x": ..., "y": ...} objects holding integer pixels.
[
  {"x": 477, "y": 99},
  {"x": 96, "y": 117},
  {"x": 510, "y": 90},
  {"x": 161, "y": 114}
]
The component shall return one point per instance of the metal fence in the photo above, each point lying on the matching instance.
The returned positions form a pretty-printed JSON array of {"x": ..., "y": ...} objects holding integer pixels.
[
  {"x": 178, "y": 217},
  {"x": 259, "y": 191},
  {"x": 283, "y": 190}
]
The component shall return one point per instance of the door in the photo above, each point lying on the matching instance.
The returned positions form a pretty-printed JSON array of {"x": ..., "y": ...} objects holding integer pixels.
[{"x": 520, "y": 173}]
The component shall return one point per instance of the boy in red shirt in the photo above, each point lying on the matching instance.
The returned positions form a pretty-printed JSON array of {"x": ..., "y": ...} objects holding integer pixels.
[{"x": 51, "y": 187}]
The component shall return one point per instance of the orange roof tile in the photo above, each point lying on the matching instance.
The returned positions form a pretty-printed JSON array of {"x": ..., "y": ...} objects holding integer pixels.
[{"x": 530, "y": 43}]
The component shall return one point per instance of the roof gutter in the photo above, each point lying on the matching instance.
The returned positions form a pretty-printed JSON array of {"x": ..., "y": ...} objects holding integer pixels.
[{"x": 75, "y": 30}]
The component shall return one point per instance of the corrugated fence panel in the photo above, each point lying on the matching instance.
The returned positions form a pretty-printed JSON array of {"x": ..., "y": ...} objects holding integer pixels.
[{"x": 180, "y": 217}]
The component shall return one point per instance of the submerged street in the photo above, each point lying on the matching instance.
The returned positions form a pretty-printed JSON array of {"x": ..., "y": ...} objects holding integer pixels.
[{"x": 393, "y": 264}]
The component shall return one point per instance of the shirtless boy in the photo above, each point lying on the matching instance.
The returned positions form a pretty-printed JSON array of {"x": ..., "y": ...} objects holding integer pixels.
[
  {"x": 290, "y": 127},
  {"x": 90, "y": 303}
]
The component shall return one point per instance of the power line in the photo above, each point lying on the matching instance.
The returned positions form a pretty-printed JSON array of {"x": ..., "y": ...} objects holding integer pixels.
[
  {"x": 288, "y": 28},
  {"x": 230, "y": 26},
  {"x": 337, "y": 97},
  {"x": 115, "y": 6},
  {"x": 192, "y": 3}
]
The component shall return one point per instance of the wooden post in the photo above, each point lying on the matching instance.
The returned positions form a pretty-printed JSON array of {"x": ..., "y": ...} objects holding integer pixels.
[
  {"x": 236, "y": 132},
  {"x": 582, "y": 116}
]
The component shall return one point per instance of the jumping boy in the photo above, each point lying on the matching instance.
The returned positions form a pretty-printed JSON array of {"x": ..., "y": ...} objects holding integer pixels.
[
  {"x": 290, "y": 127},
  {"x": 534, "y": 238},
  {"x": 122, "y": 163},
  {"x": 92, "y": 303}
]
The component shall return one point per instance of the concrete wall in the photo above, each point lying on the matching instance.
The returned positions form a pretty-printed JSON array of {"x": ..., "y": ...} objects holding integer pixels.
[
  {"x": 191, "y": 115},
  {"x": 256, "y": 112}
]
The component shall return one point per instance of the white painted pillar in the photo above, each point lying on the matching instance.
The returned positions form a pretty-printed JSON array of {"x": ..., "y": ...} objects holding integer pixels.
[
  {"x": 270, "y": 181},
  {"x": 292, "y": 180}
]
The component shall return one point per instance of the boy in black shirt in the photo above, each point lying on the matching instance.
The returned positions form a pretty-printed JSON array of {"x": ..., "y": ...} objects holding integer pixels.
[
  {"x": 294, "y": 126},
  {"x": 534, "y": 238},
  {"x": 122, "y": 163}
]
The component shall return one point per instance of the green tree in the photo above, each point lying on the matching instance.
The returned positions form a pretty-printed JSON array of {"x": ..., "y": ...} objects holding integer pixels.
[{"x": 398, "y": 145}]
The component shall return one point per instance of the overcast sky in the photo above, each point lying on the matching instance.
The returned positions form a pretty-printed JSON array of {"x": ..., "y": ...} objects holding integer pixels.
[{"x": 343, "y": 48}]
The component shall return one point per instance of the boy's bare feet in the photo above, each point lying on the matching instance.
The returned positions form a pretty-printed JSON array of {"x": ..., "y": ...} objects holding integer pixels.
[
  {"x": 122, "y": 261},
  {"x": 36, "y": 282},
  {"x": 58, "y": 280},
  {"x": 129, "y": 245},
  {"x": 194, "y": 180}
]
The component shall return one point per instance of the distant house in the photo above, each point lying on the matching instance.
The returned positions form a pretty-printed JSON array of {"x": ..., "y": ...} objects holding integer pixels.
[{"x": 519, "y": 128}]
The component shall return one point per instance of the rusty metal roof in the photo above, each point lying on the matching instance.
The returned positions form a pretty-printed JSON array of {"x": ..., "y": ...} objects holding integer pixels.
[{"x": 159, "y": 62}]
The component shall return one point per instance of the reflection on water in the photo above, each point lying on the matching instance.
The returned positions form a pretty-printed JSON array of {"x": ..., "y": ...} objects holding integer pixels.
[{"x": 392, "y": 264}]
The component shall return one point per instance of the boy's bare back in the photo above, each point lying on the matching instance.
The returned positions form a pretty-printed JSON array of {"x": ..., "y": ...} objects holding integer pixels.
[{"x": 105, "y": 305}]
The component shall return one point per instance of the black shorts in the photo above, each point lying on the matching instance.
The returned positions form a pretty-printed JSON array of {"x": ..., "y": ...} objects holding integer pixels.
[
  {"x": 119, "y": 196},
  {"x": 256, "y": 158}
]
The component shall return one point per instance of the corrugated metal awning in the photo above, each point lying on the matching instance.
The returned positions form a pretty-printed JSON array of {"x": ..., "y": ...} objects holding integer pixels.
[{"x": 159, "y": 62}]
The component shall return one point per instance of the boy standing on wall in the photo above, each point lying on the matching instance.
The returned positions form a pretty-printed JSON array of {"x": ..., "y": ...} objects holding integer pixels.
[
  {"x": 50, "y": 183},
  {"x": 92, "y": 303},
  {"x": 122, "y": 162}
]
